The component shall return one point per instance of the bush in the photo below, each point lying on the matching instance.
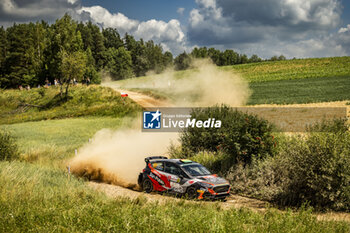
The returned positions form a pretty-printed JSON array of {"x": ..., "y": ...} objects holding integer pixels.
[
  {"x": 242, "y": 137},
  {"x": 8, "y": 147},
  {"x": 313, "y": 168},
  {"x": 318, "y": 171}
]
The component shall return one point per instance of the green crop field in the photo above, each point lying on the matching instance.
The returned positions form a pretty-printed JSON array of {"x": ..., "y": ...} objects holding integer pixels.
[
  {"x": 294, "y": 69},
  {"x": 308, "y": 90}
]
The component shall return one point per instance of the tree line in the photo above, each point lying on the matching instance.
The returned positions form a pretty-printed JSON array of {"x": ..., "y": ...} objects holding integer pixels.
[
  {"x": 34, "y": 53},
  {"x": 220, "y": 58}
]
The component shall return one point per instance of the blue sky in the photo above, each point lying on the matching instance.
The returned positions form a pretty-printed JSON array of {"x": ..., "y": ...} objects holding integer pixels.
[
  {"x": 346, "y": 12},
  {"x": 294, "y": 28}
]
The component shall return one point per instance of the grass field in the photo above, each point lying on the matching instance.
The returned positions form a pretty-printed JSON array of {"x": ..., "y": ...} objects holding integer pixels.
[
  {"x": 51, "y": 142},
  {"x": 294, "y": 69},
  {"x": 82, "y": 101},
  {"x": 308, "y": 90},
  {"x": 40, "y": 199}
]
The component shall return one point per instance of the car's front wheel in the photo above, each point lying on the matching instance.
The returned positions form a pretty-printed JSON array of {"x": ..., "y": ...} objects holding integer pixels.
[
  {"x": 147, "y": 185},
  {"x": 192, "y": 192}
]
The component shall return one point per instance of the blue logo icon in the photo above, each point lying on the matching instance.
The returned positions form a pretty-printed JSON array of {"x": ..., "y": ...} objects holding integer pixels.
[{"x": 151, "y": 120}]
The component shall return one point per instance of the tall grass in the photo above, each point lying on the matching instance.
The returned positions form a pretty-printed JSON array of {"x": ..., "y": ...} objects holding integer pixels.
[{"x": 34, "y": 198}]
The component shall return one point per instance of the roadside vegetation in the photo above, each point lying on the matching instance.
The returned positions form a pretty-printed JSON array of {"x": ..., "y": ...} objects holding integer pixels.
[
  {"x": 47, "y": 199},
  {"x": 8, "y": 146},
  {"x": 46, "y": 103},
  {"x": 285, "y": 170}
]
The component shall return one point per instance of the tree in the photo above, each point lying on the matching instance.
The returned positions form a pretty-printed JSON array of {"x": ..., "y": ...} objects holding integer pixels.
[
  {"x": 274, "y": 58},
  {"x": 23, "y": 60},
  {"x": 90, "y": 71},
  {"x": 201, "y": 52},
  {"x": 119, "y": 63},
  {"x": 154, "y": 54},
  {"x": 168, "y": 59},
  {"x": 3, "y": 54},
  {"x": 182, "y": 61},
  {"x": 214, "y": 54},
  {"x": 254, "y": 58},
  {"x": 282, "y": 58},
  {"x": 243, "y": 58},
  {"x": 64, "y": 38},
  {"x": 73, "y": 67},
  {"x": 229, "y": 57},
  {"x": 112, "y": 38}
]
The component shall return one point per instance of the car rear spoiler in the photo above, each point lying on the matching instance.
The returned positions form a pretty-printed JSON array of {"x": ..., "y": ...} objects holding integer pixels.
[{"x": 154, "y": 157}]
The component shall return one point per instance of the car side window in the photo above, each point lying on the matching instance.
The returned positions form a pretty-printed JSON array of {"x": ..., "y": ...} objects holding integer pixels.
[
  {"x": 172, "y": 169},
  {"x": 158, "y": 166}
]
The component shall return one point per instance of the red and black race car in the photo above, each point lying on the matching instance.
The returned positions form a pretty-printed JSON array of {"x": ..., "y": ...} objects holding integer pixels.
[{"x": 182, "y": 176}]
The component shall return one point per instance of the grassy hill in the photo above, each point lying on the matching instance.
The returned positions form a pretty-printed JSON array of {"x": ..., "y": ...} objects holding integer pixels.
[{"x": 42, "y": 104}]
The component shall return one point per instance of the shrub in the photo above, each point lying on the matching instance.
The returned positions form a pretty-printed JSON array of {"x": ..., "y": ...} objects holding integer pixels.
[
  {"x": 8, "y": 147},
  {"x": 242, "y": 137},
  {"x": 313, "y": 168},
  {"x": 319, "y": 171}
]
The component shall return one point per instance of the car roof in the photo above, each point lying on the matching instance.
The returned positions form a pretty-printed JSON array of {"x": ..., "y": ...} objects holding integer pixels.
[{"x": 176, "y": 161}]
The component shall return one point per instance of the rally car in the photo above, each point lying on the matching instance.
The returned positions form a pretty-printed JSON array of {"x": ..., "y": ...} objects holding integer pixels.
[{"x": 182, "y": 177}]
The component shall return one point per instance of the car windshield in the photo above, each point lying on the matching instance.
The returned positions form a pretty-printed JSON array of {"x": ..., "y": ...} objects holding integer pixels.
[{"x": 196, "y": 169}]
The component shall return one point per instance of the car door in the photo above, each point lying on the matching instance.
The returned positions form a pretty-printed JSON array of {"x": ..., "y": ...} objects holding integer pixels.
[
  {"x": 173, "y": 173},
  {"x": 158, "y": 177}
]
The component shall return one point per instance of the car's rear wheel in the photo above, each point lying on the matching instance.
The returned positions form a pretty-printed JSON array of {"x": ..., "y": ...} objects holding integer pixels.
[
  {"x": 192, "y": 193},
  {"x": 147, "y": 185}
]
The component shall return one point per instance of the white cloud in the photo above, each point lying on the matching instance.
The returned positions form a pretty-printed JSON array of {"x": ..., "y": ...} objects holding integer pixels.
[
  {"x": 180, "y": 10},
  {"x": 169, "y": 34},
  {"x": 31, "y": 10},
  {"x": 299, "y": 28},
  {"x": 102, "y": 16},
  {"x": 343, "y": 30}
]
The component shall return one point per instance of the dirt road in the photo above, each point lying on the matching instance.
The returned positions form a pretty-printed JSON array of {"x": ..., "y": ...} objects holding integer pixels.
[
  {"x": 142, "y": 99},
  {"x": 234, "y": 201}
]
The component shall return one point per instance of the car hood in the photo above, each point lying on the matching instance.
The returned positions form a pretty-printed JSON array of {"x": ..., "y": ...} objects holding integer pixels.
[{"x": 213, "y": 179}]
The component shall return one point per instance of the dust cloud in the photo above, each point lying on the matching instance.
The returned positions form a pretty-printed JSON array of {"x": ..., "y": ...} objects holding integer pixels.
[
  {"x": 117, "y": 157},
  {"x": 204, "y": 85}
]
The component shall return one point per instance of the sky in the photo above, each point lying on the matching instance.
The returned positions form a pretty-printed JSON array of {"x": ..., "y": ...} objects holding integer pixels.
[{"x": 294, "y": 28}]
